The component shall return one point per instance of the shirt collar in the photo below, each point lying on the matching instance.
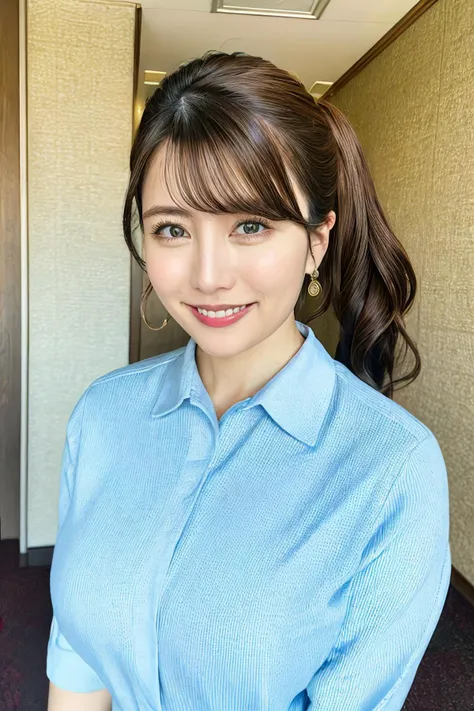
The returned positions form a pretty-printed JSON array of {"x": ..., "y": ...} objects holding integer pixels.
[{"x": 296, "y": 398}]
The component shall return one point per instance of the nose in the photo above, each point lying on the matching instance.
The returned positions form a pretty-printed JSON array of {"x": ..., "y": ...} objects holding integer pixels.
[{"x": 213, "y": 265}]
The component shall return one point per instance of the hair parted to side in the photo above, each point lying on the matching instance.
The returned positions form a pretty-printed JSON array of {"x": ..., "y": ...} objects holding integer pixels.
[{"x": 236, "y": 130}]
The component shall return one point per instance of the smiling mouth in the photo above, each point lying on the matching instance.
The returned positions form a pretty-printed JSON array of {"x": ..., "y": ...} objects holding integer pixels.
[
  {"x": 221, "y": 312},
  {"x": 225, "y": 312}
]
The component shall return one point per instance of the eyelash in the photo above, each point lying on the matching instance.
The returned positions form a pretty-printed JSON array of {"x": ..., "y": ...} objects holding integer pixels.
[{"x": 253, "y": 220}]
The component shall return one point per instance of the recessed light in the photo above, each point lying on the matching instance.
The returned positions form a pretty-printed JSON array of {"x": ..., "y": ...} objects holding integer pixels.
[
  {"x": 319, "y": 88},
  {"x": 302, "y": 9},
  {"x": 152, "y": 78}
]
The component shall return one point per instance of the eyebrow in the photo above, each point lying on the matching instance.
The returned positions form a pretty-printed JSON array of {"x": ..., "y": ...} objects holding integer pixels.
[{"x": 165, "y": 210}]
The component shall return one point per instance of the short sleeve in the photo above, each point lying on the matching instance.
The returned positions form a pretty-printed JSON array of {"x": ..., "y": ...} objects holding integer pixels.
[
  {"x": 64, "y": 667},
  {"x": 396, "y": 597}
]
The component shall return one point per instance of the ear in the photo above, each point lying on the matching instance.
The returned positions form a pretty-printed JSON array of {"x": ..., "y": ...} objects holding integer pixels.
[{"x": 319, "y": 238}]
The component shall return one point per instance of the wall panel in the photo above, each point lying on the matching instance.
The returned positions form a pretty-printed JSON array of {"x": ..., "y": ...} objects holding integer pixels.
[{"x": 80, "y": 93}]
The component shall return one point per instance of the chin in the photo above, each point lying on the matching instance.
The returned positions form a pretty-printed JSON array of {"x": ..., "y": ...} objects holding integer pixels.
[{"x": 223, "y": 344}]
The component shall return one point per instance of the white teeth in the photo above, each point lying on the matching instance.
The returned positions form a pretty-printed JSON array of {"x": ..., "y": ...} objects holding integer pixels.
[{"x": 221, "y": 314}]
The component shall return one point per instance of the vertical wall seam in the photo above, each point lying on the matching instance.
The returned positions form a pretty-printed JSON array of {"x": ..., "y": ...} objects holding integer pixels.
[{"x": 24, "y": 310}]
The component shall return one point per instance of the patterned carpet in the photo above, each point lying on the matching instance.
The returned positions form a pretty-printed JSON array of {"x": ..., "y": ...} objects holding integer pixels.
[{"x": 444, "y": 682}]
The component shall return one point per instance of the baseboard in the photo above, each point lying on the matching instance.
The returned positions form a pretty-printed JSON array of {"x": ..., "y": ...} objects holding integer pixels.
[
  {"x": 462, "y": 585},
  {"x": 37, "y": 557}
]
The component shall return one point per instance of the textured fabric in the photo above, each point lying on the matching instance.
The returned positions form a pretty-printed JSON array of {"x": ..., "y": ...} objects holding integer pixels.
[{"x": 293, "y": 555}]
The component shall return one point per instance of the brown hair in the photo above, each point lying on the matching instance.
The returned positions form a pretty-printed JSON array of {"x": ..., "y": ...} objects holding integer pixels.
[{"x": 256, "y": 127}]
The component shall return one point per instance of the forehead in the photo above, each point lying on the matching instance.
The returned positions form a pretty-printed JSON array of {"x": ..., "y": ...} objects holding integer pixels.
[
  {"x": 155, "y": 188},
  {"x": 172, "y": 181}
]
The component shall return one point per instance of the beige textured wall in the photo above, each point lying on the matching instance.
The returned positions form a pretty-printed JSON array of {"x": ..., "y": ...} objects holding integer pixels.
[
  {"x": 80, "y": 89},
  {"x": 412, "y": 108}
]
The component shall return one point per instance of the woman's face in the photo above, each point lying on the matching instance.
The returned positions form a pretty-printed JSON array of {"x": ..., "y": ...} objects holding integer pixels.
[{"x": 222, "y": 262}]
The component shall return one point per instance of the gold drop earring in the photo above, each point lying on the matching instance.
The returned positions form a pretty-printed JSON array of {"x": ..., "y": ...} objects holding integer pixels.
[
  {"x": 314, "y": 287},
  {"x": 143, "y": 300}
]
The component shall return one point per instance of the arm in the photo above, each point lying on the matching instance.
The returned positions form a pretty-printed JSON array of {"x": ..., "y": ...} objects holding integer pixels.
[
  {"x": 61, "y": 700},
  {"x": 74, "y": 685},
  {"x": 395, "y": 599}
]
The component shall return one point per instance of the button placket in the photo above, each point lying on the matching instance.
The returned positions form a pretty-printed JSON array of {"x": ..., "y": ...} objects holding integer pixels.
[{"x": 183, "y": 506}]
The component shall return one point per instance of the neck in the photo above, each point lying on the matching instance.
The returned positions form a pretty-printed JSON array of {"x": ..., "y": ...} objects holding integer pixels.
[{"x": 235, "y": 378}]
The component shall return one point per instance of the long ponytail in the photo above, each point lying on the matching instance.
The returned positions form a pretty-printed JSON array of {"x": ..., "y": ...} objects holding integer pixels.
[{"x": 366, "y": 272}]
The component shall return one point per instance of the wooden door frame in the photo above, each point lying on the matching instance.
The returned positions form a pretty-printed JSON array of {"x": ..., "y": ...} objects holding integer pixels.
[
  {"x": 10, "y": 273},
  {"x": 23, "y": 128},
  {"x": 136, "y": 272}
]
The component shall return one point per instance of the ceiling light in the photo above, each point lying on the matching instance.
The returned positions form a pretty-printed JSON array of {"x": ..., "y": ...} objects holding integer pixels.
[
  {"x": 319, "y": 88},
  {"x": 153, "y": 78},
  {"x": 302, "y": 9}
]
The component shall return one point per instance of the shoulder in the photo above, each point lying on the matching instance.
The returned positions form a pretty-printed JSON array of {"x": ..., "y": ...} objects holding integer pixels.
[
  {"x": 122, "y": 389},
  {"x": 398, "y": 463},
  {"x": 413, "y": 478},
  {"x": 130, "y": 376},
  {"x": 372, "y": 412},
  {"x": 392, "y": 445},
  {"x": 121, "y": 377}
]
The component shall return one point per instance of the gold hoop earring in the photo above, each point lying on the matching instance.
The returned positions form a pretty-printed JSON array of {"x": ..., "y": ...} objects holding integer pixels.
[
  {"x": 314, "y": 287},
  {"x": 143, "y": 300}
]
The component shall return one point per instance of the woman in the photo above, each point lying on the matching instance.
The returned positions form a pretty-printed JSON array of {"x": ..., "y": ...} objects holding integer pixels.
[{"x": 246, "y": 523}]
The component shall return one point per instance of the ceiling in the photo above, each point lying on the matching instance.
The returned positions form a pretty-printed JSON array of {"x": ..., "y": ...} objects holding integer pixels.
[{"x": 316, "y": 50}]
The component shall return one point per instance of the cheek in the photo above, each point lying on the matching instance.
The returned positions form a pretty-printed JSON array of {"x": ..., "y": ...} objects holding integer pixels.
[
  {"x": 165, "y": 270},
  {"x": 276, "y": 269}
]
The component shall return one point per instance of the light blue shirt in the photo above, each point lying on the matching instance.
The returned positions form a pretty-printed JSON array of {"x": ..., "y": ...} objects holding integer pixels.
[{"x": 293, "y": 555}]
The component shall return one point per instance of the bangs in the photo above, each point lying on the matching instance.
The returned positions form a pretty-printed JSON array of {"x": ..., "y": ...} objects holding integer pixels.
[{"x": 218, "y": 166}]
